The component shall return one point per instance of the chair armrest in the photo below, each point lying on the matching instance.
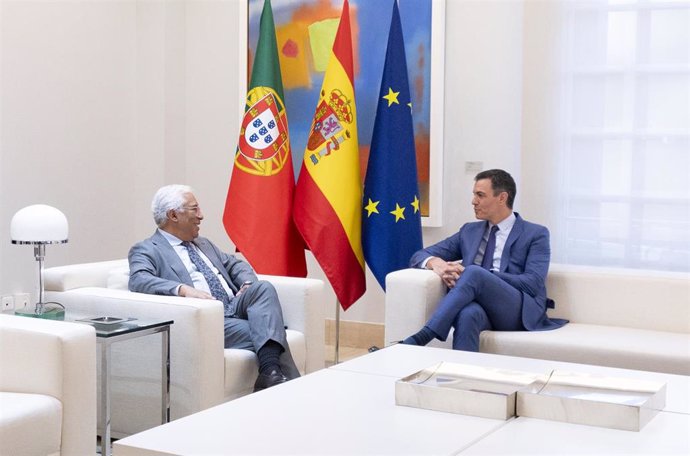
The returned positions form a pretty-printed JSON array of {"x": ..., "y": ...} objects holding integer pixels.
[
  {"x": 57, "y": 359},
  {"x": 196, "y": 350},
  {"x": 411, "y": 297},
  {"x": 302, "y": 301}
]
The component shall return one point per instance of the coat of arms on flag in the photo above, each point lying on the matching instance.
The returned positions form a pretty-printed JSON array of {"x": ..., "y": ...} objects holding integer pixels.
[
  {"x": 263, "y": 146},
  {"x": 329, "y": 129}
]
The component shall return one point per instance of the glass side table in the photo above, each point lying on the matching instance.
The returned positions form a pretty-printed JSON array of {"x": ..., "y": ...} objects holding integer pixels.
[{"x": 111, "y": 329}]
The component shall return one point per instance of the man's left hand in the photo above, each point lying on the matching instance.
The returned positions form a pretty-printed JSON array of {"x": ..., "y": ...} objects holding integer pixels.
[{"x": 244, "y": 286}]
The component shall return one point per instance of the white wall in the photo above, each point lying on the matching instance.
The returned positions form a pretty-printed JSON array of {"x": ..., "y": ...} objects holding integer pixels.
[
  {"x": 541, "y": 112},
  {"x": 68, "y": 127},
  {"x": 103, "y": 102}
]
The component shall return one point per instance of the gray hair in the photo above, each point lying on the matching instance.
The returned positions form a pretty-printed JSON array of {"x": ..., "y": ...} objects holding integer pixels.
[{"x": 168, "y": 198}]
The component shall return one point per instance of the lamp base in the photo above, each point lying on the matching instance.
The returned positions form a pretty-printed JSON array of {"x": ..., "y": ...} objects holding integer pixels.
[{"x": 49, "y": 313}]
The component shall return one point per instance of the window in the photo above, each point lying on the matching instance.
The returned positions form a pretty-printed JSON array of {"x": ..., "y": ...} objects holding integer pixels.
[{"x": 626, "y": 165}]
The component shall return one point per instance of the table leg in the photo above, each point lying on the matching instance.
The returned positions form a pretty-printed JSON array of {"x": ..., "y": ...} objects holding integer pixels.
[
  {"x": 105, "y": 398},
  {"x": 165, "y": 375}
]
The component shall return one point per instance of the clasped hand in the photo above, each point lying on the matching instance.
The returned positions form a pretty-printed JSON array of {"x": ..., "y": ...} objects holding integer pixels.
[{"x": 449, "y": 271}]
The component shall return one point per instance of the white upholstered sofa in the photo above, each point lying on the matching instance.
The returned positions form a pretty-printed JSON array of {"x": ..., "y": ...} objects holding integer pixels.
[
  {"x": 618, "y": 318},
  {"x": 47, "y": 387},
  {"x": 202, "y": 373}
]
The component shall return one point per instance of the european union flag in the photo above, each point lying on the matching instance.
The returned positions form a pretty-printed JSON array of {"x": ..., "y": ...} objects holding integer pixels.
[{"x": 391, "y": 221}]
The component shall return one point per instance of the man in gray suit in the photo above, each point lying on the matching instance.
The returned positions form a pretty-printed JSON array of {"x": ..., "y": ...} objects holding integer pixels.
[{"x": 175, "y": 261}]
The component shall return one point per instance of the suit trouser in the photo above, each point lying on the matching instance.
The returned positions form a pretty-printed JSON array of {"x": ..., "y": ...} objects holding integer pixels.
[
  {"x": 479, "y": 301},
  {"x": 255, "y": 317}
]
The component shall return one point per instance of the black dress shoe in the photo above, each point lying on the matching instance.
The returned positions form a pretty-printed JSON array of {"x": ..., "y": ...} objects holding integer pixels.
[{"x": 268, "y": 380}]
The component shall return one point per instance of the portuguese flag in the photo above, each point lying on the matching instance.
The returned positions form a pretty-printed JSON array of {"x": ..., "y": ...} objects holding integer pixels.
[{"x": 258, "y": 208}]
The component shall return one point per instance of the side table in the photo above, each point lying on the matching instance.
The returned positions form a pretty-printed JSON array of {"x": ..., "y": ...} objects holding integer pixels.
[{"x": 115, "y": 329}]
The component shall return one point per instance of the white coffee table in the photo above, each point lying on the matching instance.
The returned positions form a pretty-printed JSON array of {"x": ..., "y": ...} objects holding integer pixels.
[
  {"x": 667, "y": 433},
  {"x": 399, "y": 361},
  {"x": 350, "y": 409},
  {"x": 327, "y": 412}
]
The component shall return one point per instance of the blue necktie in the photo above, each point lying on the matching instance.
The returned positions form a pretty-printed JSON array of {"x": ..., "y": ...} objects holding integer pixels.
[
  {"x": 214, "y": 285},
  {"x": 488, "y": 260}
]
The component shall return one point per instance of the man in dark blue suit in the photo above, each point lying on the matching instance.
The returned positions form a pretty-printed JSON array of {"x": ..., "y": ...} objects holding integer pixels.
[{"x": 495, "y": 270}]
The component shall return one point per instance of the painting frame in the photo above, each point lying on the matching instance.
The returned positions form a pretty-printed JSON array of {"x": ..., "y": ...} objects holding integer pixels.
[{"x": 434, "y": 218}]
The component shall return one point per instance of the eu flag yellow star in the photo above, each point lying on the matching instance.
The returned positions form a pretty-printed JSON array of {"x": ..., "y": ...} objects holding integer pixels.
[
  {"x": 415, "y": 204},
  {"x": 392, "y": 97},
  {"x": 371, "y": 207},
  {"x": 399, "y": 213}
]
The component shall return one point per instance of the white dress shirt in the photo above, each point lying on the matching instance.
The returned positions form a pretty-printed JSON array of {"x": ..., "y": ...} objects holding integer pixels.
[
  {"x": 504, "y": 228},
  {"x": 197, "y": 277}
]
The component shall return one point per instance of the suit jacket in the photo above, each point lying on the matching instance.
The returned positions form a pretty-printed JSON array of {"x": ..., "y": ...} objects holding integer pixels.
[
  {"x": 524, "y": 264},
  {"x": 155, "y": 267}
]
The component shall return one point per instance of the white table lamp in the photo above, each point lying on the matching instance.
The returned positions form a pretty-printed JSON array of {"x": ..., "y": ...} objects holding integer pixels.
[{"x": 40, "y": 225}]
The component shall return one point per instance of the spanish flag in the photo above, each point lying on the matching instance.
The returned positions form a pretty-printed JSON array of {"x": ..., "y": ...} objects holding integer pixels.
[
  {"x": 327, "y": 207},
  {"x": 258, "y": 208}
]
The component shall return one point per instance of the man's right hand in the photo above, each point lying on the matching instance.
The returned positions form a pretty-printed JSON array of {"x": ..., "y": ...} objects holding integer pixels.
[
  {"x": 191, "y": 292},
  {"x": 449, "y": 272}
]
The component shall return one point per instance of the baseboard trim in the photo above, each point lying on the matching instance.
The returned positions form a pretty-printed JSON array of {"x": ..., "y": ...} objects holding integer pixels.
[{"x": 357, "y": 334}]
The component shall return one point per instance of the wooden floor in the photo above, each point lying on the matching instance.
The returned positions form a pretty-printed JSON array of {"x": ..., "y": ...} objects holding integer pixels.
[
  {"x": 344, "y": 353},
  {"x": 355, "y": 339}
]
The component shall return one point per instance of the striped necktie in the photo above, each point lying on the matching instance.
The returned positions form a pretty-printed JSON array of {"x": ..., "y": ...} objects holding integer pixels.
[
  {"x": 214, "y": 285},
  {"x": 488, "y": 260}
]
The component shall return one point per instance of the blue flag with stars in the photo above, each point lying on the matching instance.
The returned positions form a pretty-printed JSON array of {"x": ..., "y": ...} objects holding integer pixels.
[{"x": 391, "y": 221}]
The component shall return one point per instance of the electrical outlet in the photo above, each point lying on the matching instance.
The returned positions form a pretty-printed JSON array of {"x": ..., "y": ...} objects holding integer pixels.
[
  {"x": 473, "y": 167},
  {"x": 21, "y": 300},
  {"x": 7, "y": 303}
]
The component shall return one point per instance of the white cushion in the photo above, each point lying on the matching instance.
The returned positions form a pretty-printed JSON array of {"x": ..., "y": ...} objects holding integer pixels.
[
  {"x": 30, "y": 424},
  {"x": 64, "y": 278},
  {"x": 118, "y": 278},
  {"x": 658, "y": 301},
  {"x": 629, "y": 348}
]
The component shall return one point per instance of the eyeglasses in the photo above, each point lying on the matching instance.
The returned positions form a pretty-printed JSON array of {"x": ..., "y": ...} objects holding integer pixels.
[{"x": 195, "y": 209}]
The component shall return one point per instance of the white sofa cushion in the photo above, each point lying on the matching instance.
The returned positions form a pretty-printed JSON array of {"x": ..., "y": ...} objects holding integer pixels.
[
  {"x": 80, "y": 275},
  {"x": 30, "y": 424},
  {"x": 118, "y": 278},
  {"x": 629, "y": 348},
  {"x": 652, "y": 300}
]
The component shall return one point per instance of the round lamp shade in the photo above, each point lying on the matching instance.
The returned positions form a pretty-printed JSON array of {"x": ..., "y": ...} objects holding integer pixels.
[{"x": 39, "y": 224}]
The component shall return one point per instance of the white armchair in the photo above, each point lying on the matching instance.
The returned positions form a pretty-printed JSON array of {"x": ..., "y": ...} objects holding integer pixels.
[
  {"x": 47, "y": 387},
  {"x": 202, "y": 373}
]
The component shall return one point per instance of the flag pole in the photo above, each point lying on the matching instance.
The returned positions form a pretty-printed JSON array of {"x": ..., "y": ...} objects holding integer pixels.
[{"x": 337, "y": 332}]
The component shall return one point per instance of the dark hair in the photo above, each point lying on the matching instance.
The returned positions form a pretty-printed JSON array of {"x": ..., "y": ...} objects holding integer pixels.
[{"x": 501, "y": 181}]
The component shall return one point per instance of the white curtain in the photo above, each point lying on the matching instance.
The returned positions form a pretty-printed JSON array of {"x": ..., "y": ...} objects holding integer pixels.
[{"x": 623, "y": 155}]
